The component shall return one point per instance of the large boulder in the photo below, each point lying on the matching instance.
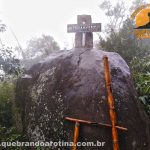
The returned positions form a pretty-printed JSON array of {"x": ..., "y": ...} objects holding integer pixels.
[{"x": 71, "y": 83}]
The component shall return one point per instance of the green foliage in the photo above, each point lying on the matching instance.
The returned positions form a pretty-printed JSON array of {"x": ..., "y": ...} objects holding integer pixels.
[
  {"x": 6, "y": 94},
  {"x": 8, "y": 133},
  {"x": 141, "y": 75},
  {"x": 11, "y": 135},
  {"x": 9, "y": 65}
]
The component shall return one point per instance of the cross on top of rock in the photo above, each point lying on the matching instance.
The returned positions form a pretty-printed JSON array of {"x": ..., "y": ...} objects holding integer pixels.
[{"x": 83, "y": 30}]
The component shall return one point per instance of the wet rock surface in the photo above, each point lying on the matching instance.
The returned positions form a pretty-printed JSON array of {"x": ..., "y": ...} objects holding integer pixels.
[{"x": 71, "y": 83}]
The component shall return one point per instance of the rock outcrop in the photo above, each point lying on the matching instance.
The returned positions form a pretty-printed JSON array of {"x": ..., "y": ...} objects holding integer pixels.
[{"x": 71, "y": 83}]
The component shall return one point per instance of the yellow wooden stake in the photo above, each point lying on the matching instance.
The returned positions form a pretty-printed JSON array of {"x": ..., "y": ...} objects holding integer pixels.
[
  {"x": 111, "y": 105},
  {"x": 76, "y": 135}
]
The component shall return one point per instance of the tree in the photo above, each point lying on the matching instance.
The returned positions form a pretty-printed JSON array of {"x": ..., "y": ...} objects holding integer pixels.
[
  {"x": 36, "y": 50},
  {"x": 42, "y": 46},
  {"x": 115, "y": 15},
  {"x": 125, "y": 43},
  {"x": 119, "y": 33},
  {"x": 9, "y": 64}
]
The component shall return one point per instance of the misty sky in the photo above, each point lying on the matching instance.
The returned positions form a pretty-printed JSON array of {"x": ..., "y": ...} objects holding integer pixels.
[{"x": 31, "y": 18}]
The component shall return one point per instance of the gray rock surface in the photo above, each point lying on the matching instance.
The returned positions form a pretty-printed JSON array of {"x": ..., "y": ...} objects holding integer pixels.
[{"x": 71, "y": 83}]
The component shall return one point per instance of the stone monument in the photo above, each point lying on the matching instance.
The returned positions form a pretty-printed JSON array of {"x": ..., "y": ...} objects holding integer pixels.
[
  {"x": 71, "y": 84},
  {"x": 83, "y": 30}
]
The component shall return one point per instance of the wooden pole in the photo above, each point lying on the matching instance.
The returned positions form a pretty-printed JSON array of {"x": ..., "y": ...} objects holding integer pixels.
[
  {"x": 111, "y": 105},
  {"x": 94, "y": 123},
  {"x": 76, "y": 135}
]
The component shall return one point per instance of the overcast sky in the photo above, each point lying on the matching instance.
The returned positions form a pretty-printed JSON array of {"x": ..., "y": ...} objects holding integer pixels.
[{"x": 31, "y": 18}]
